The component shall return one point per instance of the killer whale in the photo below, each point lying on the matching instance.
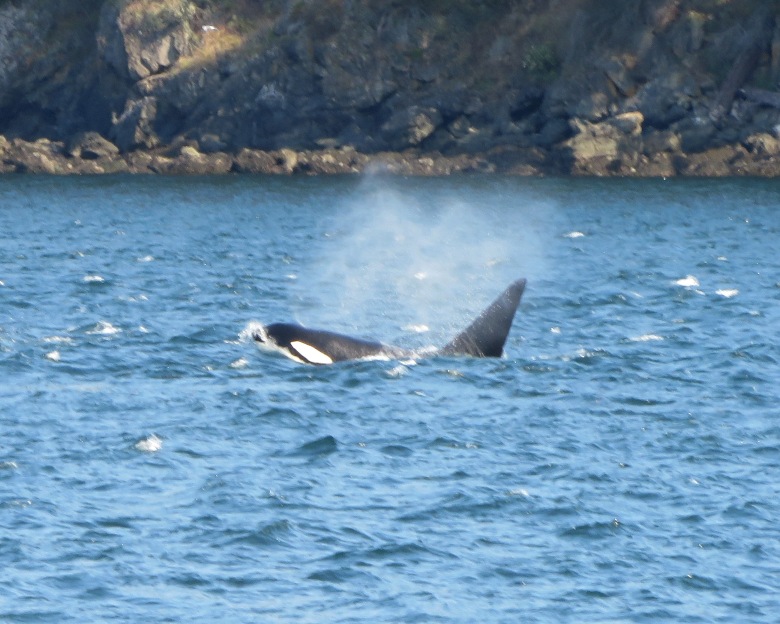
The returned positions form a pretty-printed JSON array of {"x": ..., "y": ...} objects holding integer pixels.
[{"x": 484, "y": 337}]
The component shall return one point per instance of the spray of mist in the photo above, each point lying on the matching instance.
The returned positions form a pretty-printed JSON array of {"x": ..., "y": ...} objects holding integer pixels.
[{"x": 420, "y": 263}]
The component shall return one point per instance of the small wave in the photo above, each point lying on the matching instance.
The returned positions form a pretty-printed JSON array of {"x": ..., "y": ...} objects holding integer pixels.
[
  {"x": 317, "y": 448},
  {"x": 93, "y": 279},
  {"x": 519, "y": 492},
  {"x": 150, "y": 444},
  {"x": 646, "y": 338},
  {"x": 727, "y": 292},
  {"x": 146, "y": 259},
  {"x": 574, "y": 234},
  {"x": 58, "y": 339},
  {"x": 134, "y": 299},
  {"x": 417, "y": 329},
  {"x": 401, "y": 369},
  {"x": 104, "y": 328}
]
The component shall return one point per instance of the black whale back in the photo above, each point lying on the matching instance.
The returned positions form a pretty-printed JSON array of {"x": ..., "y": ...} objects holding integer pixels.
[
  {"x": 485, "y": 337},
  {"x": 337, "y": 347}
]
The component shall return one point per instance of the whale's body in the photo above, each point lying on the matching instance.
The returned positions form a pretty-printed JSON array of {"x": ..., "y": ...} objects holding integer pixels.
[{"x": 484, "y": 337}]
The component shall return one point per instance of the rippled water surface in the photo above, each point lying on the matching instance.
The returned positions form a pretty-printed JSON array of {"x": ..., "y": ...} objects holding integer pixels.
[{"x": 620, "y": 463}]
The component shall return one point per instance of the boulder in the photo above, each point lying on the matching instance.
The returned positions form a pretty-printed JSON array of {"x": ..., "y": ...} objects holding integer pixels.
[
  {"x": 763, "y": 144},
  {"x": 91, "y": 146},
  {"x": 287, "y": 159},
  {"x": 41, "y": 156},
  {"x": 594, "y": 141},
  {"x": 605, "y": 148},
  {"x": 192, "y": 162},
  {"x": 254, "y": 161},
  {"x": 331, "y": 161}
]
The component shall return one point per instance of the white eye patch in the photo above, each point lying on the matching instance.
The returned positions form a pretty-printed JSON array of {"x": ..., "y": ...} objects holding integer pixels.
[{"x": 310, "y": 354}]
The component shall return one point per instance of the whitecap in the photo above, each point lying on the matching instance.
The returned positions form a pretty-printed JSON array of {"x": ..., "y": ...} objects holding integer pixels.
[
  {"x": 239, "y": 363},
  {"x": 555, "y": 330},
  {"x": 397, "y": 371},
  {"x": 104, "y": 328},
  {"x": 417, "y": 329},
  {"x": 136, "y": 299},
  {"x": 574, "y": 234},
  {"x": 727, "y": 292},
  {"x": 94, "y": 279},
  {"x": 689, "y": 281},
  {"x": 53, "y": 356},
  {"x": 647, "y": 338},
  {"x": 146, "y": 259},
  {"x": 252, "y": 328},
  {"x": 420, "y": 276},
  {"x": 58, "y": 339},
  {"x": 519, "y": 492},
  {"x": 151, "y": 444}
]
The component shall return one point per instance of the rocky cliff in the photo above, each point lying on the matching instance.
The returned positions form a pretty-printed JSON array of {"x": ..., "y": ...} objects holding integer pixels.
[{"x": 648, "y": 87}]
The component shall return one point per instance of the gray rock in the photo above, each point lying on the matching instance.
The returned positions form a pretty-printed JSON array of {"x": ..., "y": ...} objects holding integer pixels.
[
  {"x": 138, "y": 44},
  {"x": 91, "y": 146},
  {"x": 763, "y": 144},
  {"x": 41, "y": 156},
  {"x": 134, "y": 127},
  {"x": 411, "y": 126}
]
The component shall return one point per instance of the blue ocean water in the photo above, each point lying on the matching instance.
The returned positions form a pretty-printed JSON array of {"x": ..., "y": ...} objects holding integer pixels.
[{"x": 621, "y": 463}]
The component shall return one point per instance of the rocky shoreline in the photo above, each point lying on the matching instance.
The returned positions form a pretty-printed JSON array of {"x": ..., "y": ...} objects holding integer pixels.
[
  {"x": 595, "y": 151},
  {"x": 656, "y": 88}
]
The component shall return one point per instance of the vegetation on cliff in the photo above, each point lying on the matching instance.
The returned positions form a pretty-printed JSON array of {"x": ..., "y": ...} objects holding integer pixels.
[{"x": 653, "y": 87}]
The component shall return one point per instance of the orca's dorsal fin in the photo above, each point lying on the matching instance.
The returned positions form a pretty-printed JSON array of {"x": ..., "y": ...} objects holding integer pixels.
[{"x": 485, "y": 337}]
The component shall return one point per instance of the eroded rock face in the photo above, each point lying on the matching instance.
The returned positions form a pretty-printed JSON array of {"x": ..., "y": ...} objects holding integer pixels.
[
  {"x": 141, "y": 38},
  {"x": 306, "y": 87},
  {"x": 134, "y": 128},
  {"x": 20, "y": 32}
]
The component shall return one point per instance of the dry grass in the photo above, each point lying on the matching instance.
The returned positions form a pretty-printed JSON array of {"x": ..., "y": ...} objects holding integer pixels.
[{"x": 213, "y": 45}]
